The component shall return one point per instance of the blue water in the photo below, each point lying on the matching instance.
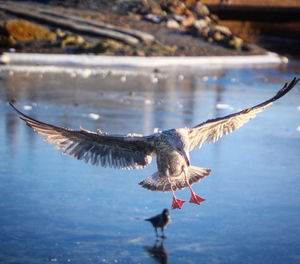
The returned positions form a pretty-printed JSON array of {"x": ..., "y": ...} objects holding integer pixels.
[{"x": 57, "y": 209}]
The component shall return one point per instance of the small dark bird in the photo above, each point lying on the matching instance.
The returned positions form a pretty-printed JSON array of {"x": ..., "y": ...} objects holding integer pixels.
[
  {"x": 161, "y": 220},
  {"x": 170, "y": 147}
]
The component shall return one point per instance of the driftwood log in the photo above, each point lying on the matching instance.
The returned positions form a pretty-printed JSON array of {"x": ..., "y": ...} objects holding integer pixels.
[
  {"x": 143, "y": 36},
  {"x": 83, "y": 26}
]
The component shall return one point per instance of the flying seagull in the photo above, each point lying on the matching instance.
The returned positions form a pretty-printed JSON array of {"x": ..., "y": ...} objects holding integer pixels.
[
  {"x": 134, "y": 151},
  {"x": 160, "y": 221}
]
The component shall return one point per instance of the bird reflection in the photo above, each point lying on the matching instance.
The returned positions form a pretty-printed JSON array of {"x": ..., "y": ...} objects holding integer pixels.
[{"x": 158, "y": 252}]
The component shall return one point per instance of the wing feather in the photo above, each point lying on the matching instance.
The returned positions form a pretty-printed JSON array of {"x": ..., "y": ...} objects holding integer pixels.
[
  {"x": 126, "y": 152},
  {"x": 213, "y": 129}
]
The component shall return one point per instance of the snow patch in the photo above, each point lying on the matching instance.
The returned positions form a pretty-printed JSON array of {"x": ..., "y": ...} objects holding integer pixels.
[
  {"x": 93, "y": 116},
  {"x": 27, "y": 107},
  {"x": 224, "y": 106},
  {"x": 154, "y": 61}
]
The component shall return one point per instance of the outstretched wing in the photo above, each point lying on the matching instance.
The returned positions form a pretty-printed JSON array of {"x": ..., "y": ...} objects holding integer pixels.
[
  {"x": 213, "y": 129},
  {"x": 126, "y": 152}
]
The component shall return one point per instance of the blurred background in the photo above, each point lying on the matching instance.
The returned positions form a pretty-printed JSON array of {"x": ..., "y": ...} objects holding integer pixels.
[{"x": 132, "y": 67}]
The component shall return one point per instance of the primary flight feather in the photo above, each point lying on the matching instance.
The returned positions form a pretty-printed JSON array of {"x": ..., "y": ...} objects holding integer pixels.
[{"x": 134, "y": 151}]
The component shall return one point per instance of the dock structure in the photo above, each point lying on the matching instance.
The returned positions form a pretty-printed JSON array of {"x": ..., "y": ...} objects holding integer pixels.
[{"x": 256, "y": 10}]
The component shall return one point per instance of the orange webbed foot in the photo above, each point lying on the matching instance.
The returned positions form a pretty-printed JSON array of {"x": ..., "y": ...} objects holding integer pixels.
[
  {"x": 196, "y": 199},
  {"x": 177, "y": 203}
]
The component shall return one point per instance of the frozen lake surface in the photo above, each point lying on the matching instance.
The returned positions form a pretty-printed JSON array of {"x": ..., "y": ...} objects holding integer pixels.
[{"x": 57, "y": 209}]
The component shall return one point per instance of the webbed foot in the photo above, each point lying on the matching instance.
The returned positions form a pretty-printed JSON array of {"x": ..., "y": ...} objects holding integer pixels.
[
  {"x": 196, "y": 198},
  {"x": 177, "y": 203}
]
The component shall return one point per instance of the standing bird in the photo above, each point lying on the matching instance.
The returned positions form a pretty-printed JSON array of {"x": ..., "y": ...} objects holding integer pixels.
[
  {"x": 161, "y": 220},
  {"x": 134, "y": 151}
]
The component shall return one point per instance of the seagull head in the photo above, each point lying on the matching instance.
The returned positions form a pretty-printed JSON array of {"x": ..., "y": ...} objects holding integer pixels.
[
  {"x": 178, "y": 141},
  {"x": 182, "y": 150}
]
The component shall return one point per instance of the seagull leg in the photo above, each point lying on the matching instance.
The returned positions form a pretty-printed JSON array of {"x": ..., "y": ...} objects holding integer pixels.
[
  {"x": 177, "y": 203},
  {"x": 163, "y": 234},
  {"x": 194, "y": 197}
]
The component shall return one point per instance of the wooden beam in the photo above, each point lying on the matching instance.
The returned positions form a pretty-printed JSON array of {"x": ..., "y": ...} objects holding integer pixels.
[{"x": 70, "y": 25}]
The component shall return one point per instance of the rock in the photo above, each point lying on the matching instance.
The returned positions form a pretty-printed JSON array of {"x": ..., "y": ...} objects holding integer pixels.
[
  {"x": 22, "y": 30},
  {"x": 139, "y": 53},
  {"x": 218, "y": 37},
  {"x": 84, "y": 47},
  {"x": 5, "y": 39},
  {"x": 225, "y": 30},
  {"x": 201, "y": 10},
  {"x": 236, "y": 43},
  {"x": 178, "y": 18},
  {"x": 172, "y": 23},
  {"x": 154, "y": 18},
  {"x": 206, "y": 32},
  {"x": 214, "y": 18},
  {"x": 143, "y": 7},
  {"x": 72, "y": 40},
  {"x": 208, "y": 20},
  {"x": 154, "y": 7},
  {"x": 60, "y": 33},
  {"x": 113, "y": 44},
  {"x": 200, "y": 24},
  {"x": 188, "y": 21},
  {"x": 177, "y": 7}
]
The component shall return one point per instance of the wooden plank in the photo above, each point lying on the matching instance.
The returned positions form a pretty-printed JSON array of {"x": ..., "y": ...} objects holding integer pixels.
[
  {"x": 63, "y": 23},
  {"x": 146, "y": 37}
]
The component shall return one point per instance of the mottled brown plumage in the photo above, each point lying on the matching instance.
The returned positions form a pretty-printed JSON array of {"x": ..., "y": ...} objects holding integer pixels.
[{"x": 133, "y": 151}]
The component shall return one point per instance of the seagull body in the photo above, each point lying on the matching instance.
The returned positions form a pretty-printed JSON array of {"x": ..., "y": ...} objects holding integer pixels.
[
  {"x": 133, "y": 151},
  {"x": 160, "y": 221}
]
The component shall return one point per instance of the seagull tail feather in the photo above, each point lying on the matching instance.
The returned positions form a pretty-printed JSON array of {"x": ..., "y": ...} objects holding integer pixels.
[
  {"x": 196, "y": 174},
  {"x": 161, "y": 184}
]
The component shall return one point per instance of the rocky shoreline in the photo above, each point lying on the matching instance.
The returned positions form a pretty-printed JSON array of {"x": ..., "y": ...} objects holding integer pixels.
[{"x": 139, "y": 28}]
